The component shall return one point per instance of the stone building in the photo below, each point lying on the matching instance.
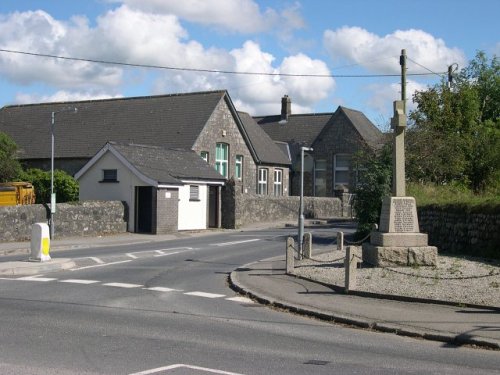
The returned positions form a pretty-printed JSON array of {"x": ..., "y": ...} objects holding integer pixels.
[{"x": 335, "y": 137}]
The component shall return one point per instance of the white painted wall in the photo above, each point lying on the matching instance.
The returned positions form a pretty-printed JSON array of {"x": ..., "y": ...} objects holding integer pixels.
[
  {"x": 124, "y": 190},
  {"x": 193, "y": 214}
]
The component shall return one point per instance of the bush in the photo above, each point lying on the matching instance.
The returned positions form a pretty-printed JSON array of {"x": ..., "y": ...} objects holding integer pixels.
[
  {"x": 374, "y": 185},
  {"x": 65, "y": 186},
  {"x": 10, "y": 168}
]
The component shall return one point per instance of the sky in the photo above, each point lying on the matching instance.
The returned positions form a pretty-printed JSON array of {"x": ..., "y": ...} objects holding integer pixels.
[{"x": 332, "y": 52}]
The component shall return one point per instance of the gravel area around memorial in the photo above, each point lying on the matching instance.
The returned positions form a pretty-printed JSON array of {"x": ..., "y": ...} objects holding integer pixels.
[{"x": 455, "y": 278}]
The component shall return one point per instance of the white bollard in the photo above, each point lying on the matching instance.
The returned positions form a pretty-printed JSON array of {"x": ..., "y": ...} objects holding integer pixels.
[{"x": 40, "y": 242}]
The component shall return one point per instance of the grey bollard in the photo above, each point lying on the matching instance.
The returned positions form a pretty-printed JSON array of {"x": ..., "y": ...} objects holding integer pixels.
[
  {"x": 290, "y": 259},
  {"x": 40, "y": 242},
  {"x": 350, "y": 266},
  {"x": 307, "y": 245},
  {"x": 340, "y": 241}
]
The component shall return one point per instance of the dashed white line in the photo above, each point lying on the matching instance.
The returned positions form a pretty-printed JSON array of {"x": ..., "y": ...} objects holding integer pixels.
[
  {"x": 163, "y": 254},
  {"x": 162, "y": 289},
  {"x": 205, "y": 295},
  {"x": 79, "y": 281},
  {"x": 235, "y": 242},
  {"x": 97, "y": 260},
  {"x": 240, "y": 299},
  {"x": 130, "y": 255},
  {"x": 36, "y": 278},
  {"x": 100, "y": 265},
  {"x": 124, "y": 285}
]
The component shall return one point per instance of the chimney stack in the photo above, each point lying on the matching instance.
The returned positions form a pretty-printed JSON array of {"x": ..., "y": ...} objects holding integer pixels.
[{"x": 286, "y": 107}]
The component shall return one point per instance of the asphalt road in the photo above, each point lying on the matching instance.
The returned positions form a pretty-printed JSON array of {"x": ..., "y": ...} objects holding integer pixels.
[{"x": 166, "y": 308}]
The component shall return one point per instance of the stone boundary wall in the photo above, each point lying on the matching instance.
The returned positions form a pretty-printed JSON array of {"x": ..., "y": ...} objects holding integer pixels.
[
  {"x": 249, "y": 209},
  {"x": 88, "y": 218},
  {"x": 461, "y": 231}
]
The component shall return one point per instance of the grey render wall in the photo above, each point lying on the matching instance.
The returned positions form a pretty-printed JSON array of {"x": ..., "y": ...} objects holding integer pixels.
[
  {"x": 167, "y": 211},
  {"x": 461, "y": 231},
  {"x": 88, "y": 218}
]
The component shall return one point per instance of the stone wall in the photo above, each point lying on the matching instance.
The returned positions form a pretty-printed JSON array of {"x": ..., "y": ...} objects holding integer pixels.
[
  {"x": 89, "y": 218},
  {"x": 243, "y": 209},
  {"x": 458, "y": 230}
]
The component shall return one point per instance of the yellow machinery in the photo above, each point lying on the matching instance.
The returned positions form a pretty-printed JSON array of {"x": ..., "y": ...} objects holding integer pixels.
[{"x": 14, "y": 193}]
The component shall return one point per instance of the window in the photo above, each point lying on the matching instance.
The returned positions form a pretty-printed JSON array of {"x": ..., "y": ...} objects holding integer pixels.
[
  {"x": 320, "y": 178},
  {"x": 238, "y": 171},
  {"x": 109, "y": 175},
  {"x": 204, "y": 155},
  {"x": 221, "y": 157},
  {"x": 194, "y": 193},
  {"x": 262, "y": 186},
  {"x": 341, "y": 166},
  {"x": 278, "y": 182}
]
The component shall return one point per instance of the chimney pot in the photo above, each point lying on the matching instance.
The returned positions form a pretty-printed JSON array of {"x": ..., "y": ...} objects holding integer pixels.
[{"x": 286, "y": 107}]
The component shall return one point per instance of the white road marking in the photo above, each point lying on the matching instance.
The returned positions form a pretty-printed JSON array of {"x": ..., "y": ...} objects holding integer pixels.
[
  {"x": 234, "y": 242},
  {"x": 205, "y": 295},
  {"x": 163, "y": 254},
  {"x": 35, "y": 278},
  {"x": 162, "y": 289},
  {"x": 159, "y": 252},
  {"x": 130, "y": 255},
  {"x": 79, "y": 281},
  {"x": 97, "y": 260},
  {"x": 240, "y": 299},
  {"x": 173, "y": 367},
  {"x": 124, "y": 285},
  {"x": 100, "y": 265}
]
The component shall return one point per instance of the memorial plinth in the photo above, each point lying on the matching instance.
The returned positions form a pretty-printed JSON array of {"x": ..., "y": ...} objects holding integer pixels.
[{"x": 398, "y": 241}]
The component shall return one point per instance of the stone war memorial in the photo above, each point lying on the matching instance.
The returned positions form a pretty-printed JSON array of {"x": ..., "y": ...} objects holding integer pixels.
[{"x": 398, "y": 241}]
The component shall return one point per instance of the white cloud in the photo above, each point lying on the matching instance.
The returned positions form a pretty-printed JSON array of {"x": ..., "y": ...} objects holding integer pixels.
[
  {"x": 62, "y": 96},
  {"x": 243, "y": 16},
  {"x": 127, "y": 35},
  {"x": 381, "y": 53},
  {"x": 383, "y": 95}
]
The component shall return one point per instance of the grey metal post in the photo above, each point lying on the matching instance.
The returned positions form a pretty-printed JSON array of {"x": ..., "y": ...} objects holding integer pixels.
[
  {"x": 52, "y": 194},
  {"x": 301, "y": 209},
  {"x": 52, "y": 197}
]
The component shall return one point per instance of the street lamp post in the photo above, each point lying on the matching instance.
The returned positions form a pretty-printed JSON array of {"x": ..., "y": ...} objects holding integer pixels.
[
  {"x": 301, "y": 209},
  {"x": 52, "y": 194}
]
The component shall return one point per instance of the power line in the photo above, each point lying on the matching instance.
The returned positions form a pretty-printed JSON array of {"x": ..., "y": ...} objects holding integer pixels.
[
  {"x": 207, "y": 70},
  {"x": 438, "y": 74}
]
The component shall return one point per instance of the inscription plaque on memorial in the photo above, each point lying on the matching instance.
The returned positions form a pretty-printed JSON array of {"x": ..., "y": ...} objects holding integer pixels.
[{"x": 399, "y": 215}]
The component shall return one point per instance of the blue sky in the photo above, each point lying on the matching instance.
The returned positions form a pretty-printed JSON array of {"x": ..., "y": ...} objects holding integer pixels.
[{"x": 327, "y": 37}]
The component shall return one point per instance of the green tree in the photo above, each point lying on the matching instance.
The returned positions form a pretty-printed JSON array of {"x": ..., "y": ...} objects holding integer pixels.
[
  {"x": 65, "y": 186},
  {"x": 454, "y": 134},
  {"x": 10, "y": 168},
  {"x": 374, "y": 184}
]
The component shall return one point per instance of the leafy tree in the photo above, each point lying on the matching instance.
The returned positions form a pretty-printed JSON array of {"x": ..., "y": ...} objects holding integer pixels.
[
  {"x": 10, "y": 168},
  {"x": 374, "y": 185},
  {"x": 455, "y": 132},
  {"x": 65, "y": 186}
]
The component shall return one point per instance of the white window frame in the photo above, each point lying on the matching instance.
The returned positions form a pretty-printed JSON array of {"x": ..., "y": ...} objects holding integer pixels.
[
  {"x": 278, "y": 182},
  {"x": 194, "y": 193},
  {"x": 205, "y": 155},
  {"x": 262, "y": 182},
  {"x": 337, "y": 168},
  {"x": 316, "y": 170},
  {"x": 222, "y": 164},
  {"x": 238, "y": 170}
]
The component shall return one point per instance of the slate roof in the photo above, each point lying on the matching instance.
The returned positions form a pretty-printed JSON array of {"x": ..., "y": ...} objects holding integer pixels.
[
  {"x": 265, "y": 147},
  {"x": 165, "y": 165},
  {"x": 302, "y": 129},
  {"x": 166, "y": 120}
]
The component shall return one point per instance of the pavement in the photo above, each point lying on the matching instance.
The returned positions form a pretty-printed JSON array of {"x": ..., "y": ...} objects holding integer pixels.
[{"x": 267, "y": 282}]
